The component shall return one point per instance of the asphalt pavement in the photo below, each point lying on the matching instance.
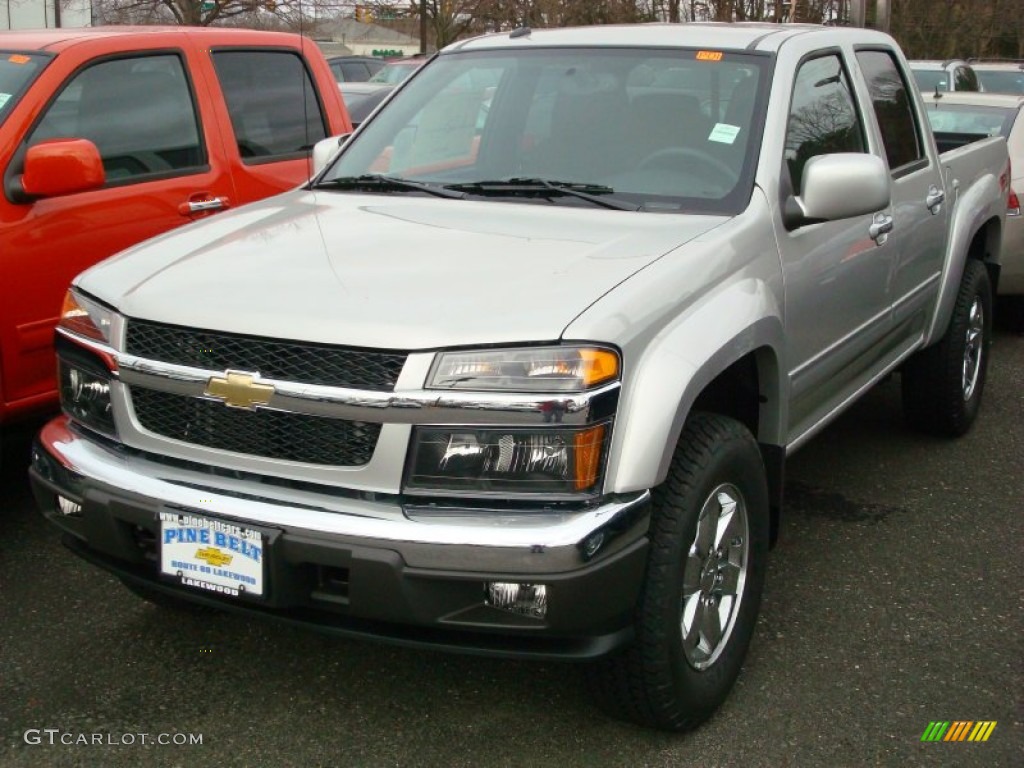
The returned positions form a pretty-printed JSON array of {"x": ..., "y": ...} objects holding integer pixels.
[{"x": 894, "y": 599}]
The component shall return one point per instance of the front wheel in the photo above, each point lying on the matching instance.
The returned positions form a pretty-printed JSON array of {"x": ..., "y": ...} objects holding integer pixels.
[
  {"x": 942, "y": 385},
  {"x": 705, "y": 574}
]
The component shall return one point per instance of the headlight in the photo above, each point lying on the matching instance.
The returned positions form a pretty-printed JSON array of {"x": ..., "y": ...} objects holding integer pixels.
[
  {"x": 85, "y": 397},
  {"x": 552, "y": 461},
  {"x": 86, "y": 317},
  {"x": 529, "y": 369}
]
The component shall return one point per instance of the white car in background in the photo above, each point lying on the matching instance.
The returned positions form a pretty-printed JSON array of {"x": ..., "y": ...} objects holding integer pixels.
[
  {"x": 1000, "y": 76},
  {"x": 942, "y": 76},
  {"x": 960, "y": 118}
]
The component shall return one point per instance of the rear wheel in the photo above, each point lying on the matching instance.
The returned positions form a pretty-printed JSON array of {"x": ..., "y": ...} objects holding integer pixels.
[
  {"x": 942, "y": 385},
  {"x": 705, "y": 574}
]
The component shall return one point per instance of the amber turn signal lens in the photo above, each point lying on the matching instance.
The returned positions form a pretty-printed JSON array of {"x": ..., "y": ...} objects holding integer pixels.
[
  {"x": 75, "y": 318},
  {"x": 599, "y": 366},
  {"x": 84, "y": 317},
  {"x": 588, "y": 445}
]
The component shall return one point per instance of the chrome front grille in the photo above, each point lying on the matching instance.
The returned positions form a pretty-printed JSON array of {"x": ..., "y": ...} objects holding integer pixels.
[
  {"x": 303, "y": 362},
  {"x": 262, "y": 432}
]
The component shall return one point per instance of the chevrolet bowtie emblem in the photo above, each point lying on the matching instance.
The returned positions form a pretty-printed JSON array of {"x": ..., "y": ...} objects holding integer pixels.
[
  {"x": 213, "y": 556},
  {"x": 239, "y": 390}
]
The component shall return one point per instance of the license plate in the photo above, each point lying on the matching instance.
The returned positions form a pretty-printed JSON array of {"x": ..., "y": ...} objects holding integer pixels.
[{"x": 212, "y": 555}]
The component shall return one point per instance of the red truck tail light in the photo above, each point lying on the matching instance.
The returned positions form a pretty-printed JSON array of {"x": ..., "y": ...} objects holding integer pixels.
[{"x": 1012, "y": 204}]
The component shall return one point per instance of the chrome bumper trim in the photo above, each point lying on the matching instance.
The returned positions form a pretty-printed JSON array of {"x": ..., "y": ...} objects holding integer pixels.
[{"x": 541, "y": 540}]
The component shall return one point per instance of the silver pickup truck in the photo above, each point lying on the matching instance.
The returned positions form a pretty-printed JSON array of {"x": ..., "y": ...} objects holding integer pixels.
[{"x": 518, "y": 371}]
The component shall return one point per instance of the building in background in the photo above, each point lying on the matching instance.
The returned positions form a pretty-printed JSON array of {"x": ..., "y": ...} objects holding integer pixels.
[
  {"x": 348, "y": 36},
  {"x": 36, "y": 14}
]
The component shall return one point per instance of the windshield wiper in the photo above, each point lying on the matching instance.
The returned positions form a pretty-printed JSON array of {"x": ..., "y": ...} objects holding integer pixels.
[
  {"x": 380, "y": 182},
  {"x": 546, "y": 187}
]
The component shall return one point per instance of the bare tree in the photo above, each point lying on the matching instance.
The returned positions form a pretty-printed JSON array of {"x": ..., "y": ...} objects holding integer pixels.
[
  {"x": 201, "y": 13},
  {"x": 925, "y": 28}
]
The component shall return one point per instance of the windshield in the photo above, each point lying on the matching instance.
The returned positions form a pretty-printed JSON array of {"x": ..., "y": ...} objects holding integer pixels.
[
  {"x": 971, "y": 119},
  {"x": 1002, "y": 81},
  {"x": 666, "y": 130},
  {"x": 17, "y": 70}
]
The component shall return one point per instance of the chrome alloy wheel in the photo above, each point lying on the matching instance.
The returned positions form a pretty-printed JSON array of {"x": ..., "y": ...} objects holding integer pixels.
[
  {"x": 714, "y": 575},
  {"x": 973, "y": 348}
]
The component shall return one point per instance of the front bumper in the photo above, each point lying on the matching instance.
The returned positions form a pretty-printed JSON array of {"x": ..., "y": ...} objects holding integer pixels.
[{"x": 355, "y": 564}]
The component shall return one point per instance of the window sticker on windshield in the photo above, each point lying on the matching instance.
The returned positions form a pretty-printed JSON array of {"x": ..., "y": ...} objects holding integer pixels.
[
  {"x": 724, "y": 133},
  {"x": 3, "y": 99},
  {"x": 17, "y": 58}
]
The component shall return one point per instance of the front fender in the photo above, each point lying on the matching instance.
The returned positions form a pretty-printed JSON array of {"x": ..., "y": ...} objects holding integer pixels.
[{"x": 680, "y": 362}]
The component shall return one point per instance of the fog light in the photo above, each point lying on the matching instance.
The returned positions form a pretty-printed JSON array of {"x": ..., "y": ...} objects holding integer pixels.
[
  {"x": 67, "y": 506},
  {"x": 524, "y": 599}
]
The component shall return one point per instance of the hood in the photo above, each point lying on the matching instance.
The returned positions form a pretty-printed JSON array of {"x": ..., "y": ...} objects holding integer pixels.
[{"x": 398, "y": 272}]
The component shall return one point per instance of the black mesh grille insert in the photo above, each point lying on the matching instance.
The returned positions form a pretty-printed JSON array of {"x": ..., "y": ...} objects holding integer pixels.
[
  {"x": 272, "y": 359},
  {"x": 272, "y": 434}
]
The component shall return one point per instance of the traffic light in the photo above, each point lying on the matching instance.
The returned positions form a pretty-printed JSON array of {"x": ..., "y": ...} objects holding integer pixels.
[{"x": 364, "y": 14}]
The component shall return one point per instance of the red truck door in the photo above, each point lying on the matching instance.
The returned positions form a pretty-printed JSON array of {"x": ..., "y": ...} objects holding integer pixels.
[{"x": 157, "y": 135}]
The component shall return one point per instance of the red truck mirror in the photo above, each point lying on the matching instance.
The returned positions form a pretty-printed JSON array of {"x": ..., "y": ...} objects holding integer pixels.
[{"x": 62, "y": 167}]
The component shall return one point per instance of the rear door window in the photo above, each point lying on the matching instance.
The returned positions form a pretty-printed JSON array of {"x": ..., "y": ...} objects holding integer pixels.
[
  {"x": 274, "y": 108},
  {"x": 893, "y": 110},
  {"x": 139, "y": 112}
]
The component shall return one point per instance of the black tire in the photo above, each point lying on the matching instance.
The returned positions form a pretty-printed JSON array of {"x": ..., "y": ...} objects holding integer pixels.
[
  {"x": 653, "y": 682},
  {"x": 165, "y": 601},
  {"x": 936, "y": 395}
]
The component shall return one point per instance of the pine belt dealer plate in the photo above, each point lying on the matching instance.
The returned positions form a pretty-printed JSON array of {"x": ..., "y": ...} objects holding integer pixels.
[{"x": 211, "y": 555}]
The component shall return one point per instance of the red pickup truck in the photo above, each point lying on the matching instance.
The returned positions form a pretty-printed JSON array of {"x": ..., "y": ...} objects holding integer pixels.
[{"x": 109, "y": 136}]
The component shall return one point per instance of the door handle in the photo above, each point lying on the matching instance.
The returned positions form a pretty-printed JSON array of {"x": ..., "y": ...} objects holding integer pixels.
[
  {"x": 203, "y": 205},
  {"x": 934, "y": 199},
  {"x": 880, "y": 227}
]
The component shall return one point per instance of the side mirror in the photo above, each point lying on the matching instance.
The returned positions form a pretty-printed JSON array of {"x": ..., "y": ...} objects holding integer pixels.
[
  {"x": 325, "y": 150},
  {"x": 62, "y": 167},
  {"x": 839, "y": 186}
]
